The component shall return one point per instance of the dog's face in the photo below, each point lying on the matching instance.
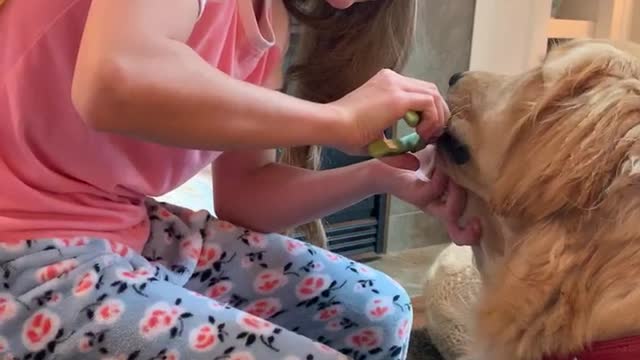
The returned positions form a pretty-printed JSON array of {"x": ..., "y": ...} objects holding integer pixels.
[
  {"x": 553, "y": 155},
  {"x": 550, "y": 141}
]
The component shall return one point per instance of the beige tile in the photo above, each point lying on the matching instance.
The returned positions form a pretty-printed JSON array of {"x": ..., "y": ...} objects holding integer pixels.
[
  {"x": 399, "y": 207},
  {"x": 414, "y": 230},
  {"x": 409, "y": 268}
]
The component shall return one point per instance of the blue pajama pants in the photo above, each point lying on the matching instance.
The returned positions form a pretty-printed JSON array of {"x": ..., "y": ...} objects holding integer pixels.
[{"x": 201, "y": 289}]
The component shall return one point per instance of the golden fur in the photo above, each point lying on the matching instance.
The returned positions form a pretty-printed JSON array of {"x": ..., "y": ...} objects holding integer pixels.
[{"x": 555, "y": 174}]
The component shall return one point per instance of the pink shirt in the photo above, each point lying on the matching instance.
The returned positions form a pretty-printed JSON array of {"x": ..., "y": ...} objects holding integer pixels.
[{"x": 59, "y": 178}]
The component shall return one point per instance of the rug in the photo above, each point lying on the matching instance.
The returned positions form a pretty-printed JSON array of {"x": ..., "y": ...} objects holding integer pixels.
[{"x": 421, "y": 347}]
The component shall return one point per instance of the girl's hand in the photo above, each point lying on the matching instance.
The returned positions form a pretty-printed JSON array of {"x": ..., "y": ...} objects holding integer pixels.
[
  {"x": 438, "y": 196},
  {"x": 380, "y": 103}
]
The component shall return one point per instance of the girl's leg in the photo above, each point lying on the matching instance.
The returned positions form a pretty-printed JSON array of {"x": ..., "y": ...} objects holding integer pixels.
[
  {"x": 92, "y": 299},
  {"x": 320, "y": 295}
]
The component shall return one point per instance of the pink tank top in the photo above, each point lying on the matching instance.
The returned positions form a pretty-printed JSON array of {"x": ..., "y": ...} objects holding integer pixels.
[{"x": 59, "y": 178}]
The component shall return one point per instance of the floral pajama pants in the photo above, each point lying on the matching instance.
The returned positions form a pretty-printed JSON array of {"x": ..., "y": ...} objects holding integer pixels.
[{"x": 201, "y": 289}]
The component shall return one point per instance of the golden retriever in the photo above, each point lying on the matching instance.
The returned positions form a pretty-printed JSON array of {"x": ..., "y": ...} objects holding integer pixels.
[{"x": 552, "y": 160}]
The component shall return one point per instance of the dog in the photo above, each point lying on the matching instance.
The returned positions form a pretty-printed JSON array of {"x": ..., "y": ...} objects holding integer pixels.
[{"x": 551, "y": 160}]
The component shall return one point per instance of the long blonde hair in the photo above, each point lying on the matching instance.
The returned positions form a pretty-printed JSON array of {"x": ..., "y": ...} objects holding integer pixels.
[{"x": 339, "y": 50}]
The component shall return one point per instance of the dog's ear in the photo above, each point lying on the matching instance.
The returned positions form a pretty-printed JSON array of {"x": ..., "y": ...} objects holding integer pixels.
[
  {"x": 581, "y": 61},
  {"x": 583, "y": 128}
]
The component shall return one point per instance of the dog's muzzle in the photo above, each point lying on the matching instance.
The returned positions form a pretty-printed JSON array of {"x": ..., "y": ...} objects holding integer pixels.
[{"x": 456, "y": 150}]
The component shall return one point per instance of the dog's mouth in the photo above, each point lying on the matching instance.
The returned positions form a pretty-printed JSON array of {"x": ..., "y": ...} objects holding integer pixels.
[{"x": 457, "y": 152}]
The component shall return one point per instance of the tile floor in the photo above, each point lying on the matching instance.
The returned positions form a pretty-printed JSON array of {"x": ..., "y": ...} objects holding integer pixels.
[{"x": 408, "y": 267}]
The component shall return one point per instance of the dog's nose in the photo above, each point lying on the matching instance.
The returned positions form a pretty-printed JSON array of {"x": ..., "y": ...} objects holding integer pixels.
[{"x": 455, "y": 78}]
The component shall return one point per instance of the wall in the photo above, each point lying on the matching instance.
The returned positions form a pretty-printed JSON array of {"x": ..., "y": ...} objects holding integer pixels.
[
  {"x": 443, "y": 46},
  {"x": 635, "y": 23},
  {"x": 509, "y": 36},
  {"x": 578, "y": 9}
]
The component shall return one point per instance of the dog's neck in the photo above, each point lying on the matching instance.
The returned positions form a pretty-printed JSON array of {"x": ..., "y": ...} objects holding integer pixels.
[{"x": 558, "y": 291}]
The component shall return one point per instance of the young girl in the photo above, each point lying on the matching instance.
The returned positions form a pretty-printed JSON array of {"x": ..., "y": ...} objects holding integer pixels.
[{"x": 106, "y": 103}]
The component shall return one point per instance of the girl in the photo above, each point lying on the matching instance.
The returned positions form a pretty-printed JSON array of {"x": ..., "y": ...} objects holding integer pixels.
[{"x": 106, "y": 103}]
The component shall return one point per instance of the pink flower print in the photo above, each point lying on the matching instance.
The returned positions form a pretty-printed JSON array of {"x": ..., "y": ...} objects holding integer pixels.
[
  {"x": 334, "y": 325},
  {"x": 295, "y": 247},
  {"x": 117, "y": 248},
  {"x": 379, "y": 307},
  {"x": 316, "y": 266},
  {"x": 329, "y": 313},
  {"x": 220, "y": 289},
  {"x": 203, "y": 338},
  {"x": 403, "y": 329},
  {"x": 54, "y": 298},
  {"x": 246, "y": 262},
  {"x": 118, "y": 357},
  {"x": 324, "y": 348},
  {"x": 40, "y": 329},
  {"x": 333, "y": 257},
  {"x": 158, "y": 319},
  {"x": 172, "y": 355},
  {"x": 196, "y": 294},
  {"x": 210, "y": 253},
  {"x": 4, "y": 345},
  {"x": 269, "y": 281},
  {"x": 8, "y": 307},
  {"x": 366, "y": 339},
  {"x": 224, "y": 226},
  {"x": 365, "y": 270},
  {"x": 53, "y": 271},
  {"x": 264, "y": 308},
  {"x": 311, "y": 286},
  {"x": 257, "y": 240},
  {"x": 76, "y": 241},
  {"x": 13, "y": 246},
  {"x": 164, "y": 213},
  {"x": 137, "y": 276},
  {"x": 241, "y": 356},
  {"x": 109, "y": 312},
  {"x": 190, "y": 249},
  {"x": 85, "y": 283},
  {"x": 215, "y": 306},
  {"x": 359, "y": 287},
  {"x": 254, "y": 324},
  {"x": 84, "y": 345}
]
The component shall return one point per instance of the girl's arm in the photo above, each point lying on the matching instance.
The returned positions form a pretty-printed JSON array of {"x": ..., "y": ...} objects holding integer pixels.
[
  {"x": 136, "y": 76},
  {"x": 251, "y": 190}
]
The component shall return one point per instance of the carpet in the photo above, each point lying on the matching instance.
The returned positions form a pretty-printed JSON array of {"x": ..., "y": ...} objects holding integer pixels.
[{"x": 421, "y": 347}]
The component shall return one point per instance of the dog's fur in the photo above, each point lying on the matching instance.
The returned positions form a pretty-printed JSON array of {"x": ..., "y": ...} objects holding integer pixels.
[{"x": 555, "y": 176}]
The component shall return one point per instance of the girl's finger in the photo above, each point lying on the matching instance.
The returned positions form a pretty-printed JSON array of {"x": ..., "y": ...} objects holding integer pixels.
[
  {"x": 467, "y": 235},
  {"x": 456, "y": 201},
  {"x": 419, "y": 86},
  {"x": 430, "y": 191},
  {"x": 404, "y": 162},
  {"x": 432, "y": 123}
]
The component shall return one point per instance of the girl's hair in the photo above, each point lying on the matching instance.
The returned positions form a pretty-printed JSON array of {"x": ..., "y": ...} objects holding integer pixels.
[{"x": 339, "y": 50}]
